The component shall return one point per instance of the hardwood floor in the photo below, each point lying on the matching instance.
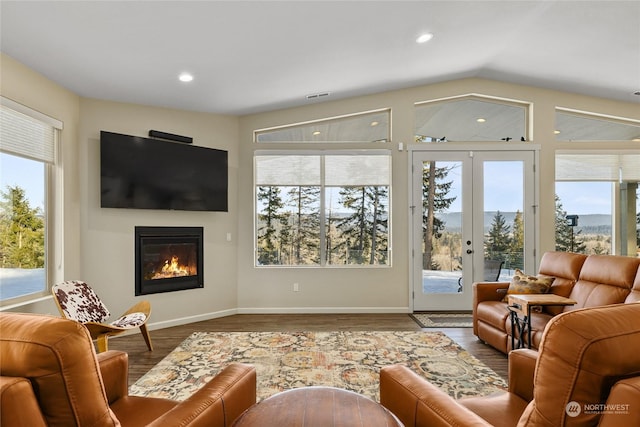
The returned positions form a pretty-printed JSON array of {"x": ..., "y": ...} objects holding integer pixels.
[{"x": 165, "y": 340}]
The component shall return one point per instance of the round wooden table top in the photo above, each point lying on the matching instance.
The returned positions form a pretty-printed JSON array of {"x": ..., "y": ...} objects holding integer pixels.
[{"x": 317, "y": 407}]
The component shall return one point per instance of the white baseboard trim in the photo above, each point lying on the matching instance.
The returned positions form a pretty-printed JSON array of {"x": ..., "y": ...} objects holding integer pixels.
[
  {"x": 322, "y": 310},
  {"x": 272, "y": 310},
  {"x": 191, "y": 319}
]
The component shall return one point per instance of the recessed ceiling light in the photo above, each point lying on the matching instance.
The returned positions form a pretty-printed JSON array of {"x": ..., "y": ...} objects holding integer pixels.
[
  {"x": 185, "y": 77},
  {"x": 481, "y": 120},
  {"x": 374, "y": 123},
  {"x": 316, "y": 133},
  {"x": 424, "y": 38},
  {"x": 556, "y": 132}
]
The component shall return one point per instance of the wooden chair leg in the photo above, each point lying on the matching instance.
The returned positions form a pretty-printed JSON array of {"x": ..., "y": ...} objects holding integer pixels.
[
  {"x": 102, "y": 343},
  {"x": 146, "y": 336}
]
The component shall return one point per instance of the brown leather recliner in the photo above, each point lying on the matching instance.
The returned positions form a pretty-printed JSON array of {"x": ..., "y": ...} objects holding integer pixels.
[
  {"x": 50, "y": 375},
  {"x": 586, "y": 373}
]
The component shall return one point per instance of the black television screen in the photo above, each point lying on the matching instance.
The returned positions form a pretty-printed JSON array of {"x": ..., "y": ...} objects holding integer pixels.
[{"x": 143, "y": 173}]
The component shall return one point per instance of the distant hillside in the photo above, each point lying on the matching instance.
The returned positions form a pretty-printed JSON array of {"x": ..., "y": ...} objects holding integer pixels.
[{"x": 589, "y": 224}]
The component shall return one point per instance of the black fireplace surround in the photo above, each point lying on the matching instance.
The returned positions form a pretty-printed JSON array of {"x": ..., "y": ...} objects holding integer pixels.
[{"x": 168, "y": 259}]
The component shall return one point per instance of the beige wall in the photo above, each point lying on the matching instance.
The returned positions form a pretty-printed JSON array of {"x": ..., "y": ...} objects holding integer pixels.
[
  {"x": 380, "y": 289},
  {"x": 98, "y": 243},
  {"x": 107, "y": 235}
]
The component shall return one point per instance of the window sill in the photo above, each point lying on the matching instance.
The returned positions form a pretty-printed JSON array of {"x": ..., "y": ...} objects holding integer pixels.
[{"x": 27, "y": 302}]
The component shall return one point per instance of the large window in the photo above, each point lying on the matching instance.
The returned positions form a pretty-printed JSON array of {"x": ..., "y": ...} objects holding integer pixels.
[
  {"x": 322, "y": 208},
  {"x": 27, "y": 160},
  {"x": 597, "y": 207},
  {"x": 597, "y": 204}
]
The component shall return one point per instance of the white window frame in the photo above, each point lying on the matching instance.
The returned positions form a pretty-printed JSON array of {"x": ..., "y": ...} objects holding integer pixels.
[
  {"x": 53, "y": 200},
  {"x": 323, "y": 256}
]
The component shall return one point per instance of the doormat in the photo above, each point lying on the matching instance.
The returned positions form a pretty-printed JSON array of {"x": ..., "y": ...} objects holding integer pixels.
[{"x": 462, "y": 319}]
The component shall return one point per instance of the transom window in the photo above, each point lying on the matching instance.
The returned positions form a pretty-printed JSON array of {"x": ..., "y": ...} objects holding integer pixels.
[
  {"x": 370, "y": 126},
  {"x": 322, "y": 208},
  {"x": 581, "y": 126},
  {"x": 471, "y": 118}
]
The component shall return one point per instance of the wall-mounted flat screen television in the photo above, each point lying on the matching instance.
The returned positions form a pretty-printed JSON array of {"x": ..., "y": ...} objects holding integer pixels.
[{"x": 143, "y": 173}]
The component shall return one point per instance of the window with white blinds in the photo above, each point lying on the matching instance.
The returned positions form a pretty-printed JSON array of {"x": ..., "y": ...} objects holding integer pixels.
[
  {"x": 27, "y": 184},
  {"x": 622, "y": 166},
  {"x": 599, "y": 189},
  {"x": 27, "y": 133},
  {"x": 322, "y": 208}
]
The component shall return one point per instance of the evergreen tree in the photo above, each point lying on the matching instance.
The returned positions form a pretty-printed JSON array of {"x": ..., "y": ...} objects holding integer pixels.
[
  {"x": 22, "y": 231},
  {"x": 638, "y": 230},
  {"x": 498, "y": 241},
  {"x": 516, "y": 249},
  {"x": 270, "y": 221},
  {"x": 379, "y": 225},
  {"x": 353, "y": 227},
  {"x": 567, "y": 239},
  {"x": 364, "y": 232},
  {"x": 305, "y": 240},
  {"x": 434, "y": 200}
]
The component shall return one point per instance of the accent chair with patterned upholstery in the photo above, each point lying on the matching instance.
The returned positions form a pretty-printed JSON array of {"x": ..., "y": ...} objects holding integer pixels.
[{"x": 78, "y": 301}]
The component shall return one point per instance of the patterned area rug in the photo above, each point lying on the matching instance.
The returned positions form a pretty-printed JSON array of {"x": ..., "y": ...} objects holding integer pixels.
[
  {"x": 443, "y": 320},
  {"x": 349, "y": 360}
]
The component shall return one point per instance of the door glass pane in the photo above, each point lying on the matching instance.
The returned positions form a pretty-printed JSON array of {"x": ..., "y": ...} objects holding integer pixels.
[
  {"x": 441, "y": 226},
  {"x": 503, "y": 219}
]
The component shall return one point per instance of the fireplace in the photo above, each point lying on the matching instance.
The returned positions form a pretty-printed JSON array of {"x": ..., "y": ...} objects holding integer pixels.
[{"x": 168, "y": 259}]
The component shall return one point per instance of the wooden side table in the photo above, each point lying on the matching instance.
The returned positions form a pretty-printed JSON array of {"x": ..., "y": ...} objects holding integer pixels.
[
  {"x": 317, "y": 407},
  {"x": 520, "y": 313}
]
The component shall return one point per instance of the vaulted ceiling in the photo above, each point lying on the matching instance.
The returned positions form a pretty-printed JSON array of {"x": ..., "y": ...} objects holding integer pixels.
[{"x": 253, "y": 56}]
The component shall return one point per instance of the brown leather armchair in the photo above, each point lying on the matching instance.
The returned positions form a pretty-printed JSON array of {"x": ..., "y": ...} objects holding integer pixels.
[
  {"x": 586, "y": 373},
  {"x": 51, "y": 375}
]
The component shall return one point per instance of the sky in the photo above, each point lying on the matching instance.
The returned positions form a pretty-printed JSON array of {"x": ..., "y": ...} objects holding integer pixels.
[
  {"x": 503, "y": 187},
  {"x": 27, "y": 174}
]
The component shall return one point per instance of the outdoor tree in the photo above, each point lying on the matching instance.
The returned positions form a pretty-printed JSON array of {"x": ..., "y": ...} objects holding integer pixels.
[
  {"x": 271, "y": 221},
  {"x": 305, "y": 240},
  {"x": 435, "y": 189},
  {"x": 567, "y": 239},
  {"x": 498, "y": 240},
  {"x": 364, "y": 231},
  {"x": 22, "y": 231},
  {"x": 517, "y": 241}
]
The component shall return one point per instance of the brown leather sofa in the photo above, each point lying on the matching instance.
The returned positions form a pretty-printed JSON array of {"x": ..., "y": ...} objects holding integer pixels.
[
  {"x": 50, "y": 375},
  {"x": 591, "y": 281},
  {"x": 586, "y": 373}
]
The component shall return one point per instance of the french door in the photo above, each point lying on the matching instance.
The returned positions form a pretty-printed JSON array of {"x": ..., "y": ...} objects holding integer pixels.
[{"x": 473, "y": 218}]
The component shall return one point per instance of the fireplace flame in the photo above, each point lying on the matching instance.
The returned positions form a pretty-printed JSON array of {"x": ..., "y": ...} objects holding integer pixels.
[{"x": 172, "y": 268}]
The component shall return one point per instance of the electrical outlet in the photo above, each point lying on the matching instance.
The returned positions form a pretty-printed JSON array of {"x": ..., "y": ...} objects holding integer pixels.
[{"x": 296, "y": 287}]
